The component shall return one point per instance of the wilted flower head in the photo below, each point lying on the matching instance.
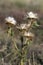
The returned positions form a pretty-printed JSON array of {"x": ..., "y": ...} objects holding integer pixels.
[
  {"x": 10, "y": 20},
  {"x": 32, "y": 15}
]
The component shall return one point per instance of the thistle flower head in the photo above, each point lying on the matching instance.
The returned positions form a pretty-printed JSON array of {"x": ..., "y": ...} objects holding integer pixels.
[
  {"x": 29, "y": 34},
  {"x": 10, "y": 20},
  {"x": 32, "y": 15}
]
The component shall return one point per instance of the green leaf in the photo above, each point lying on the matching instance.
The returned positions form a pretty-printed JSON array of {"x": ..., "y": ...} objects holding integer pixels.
[{"x": 35, "y": 24}]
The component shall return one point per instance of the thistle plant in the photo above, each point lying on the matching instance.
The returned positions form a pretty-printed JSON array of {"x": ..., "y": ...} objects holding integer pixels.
[
  {"x": 25, "y": 32},
  {"x": 19, "y": 55}
]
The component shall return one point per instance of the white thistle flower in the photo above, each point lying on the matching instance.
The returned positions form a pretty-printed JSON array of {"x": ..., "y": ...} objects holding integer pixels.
[
  {"x": 22, "y": 26},
  {"x": 32, "y": 15},
  {"x": 28, "y": 34},
  {"x": 10, "y": 20}
]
